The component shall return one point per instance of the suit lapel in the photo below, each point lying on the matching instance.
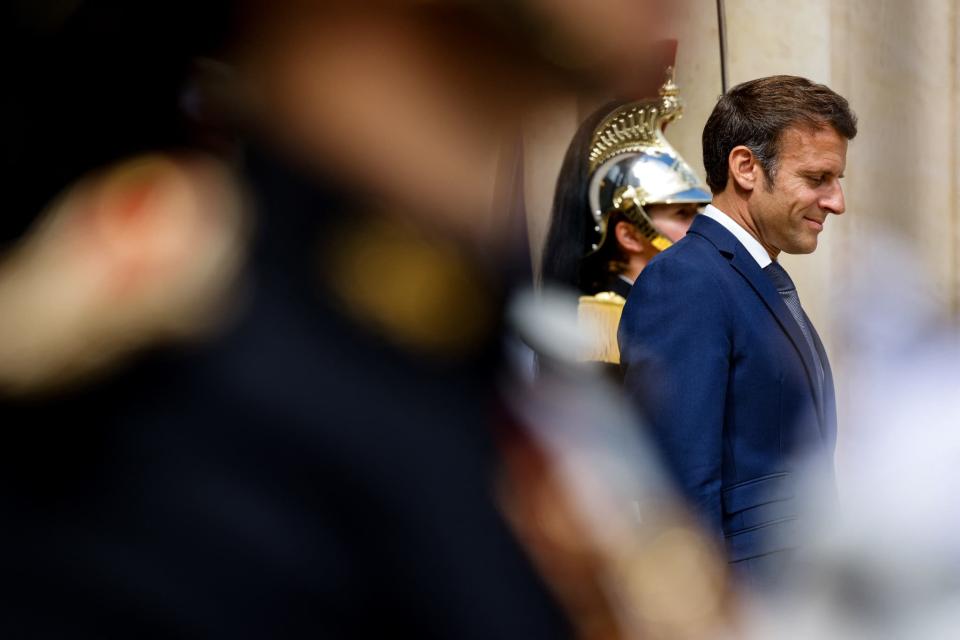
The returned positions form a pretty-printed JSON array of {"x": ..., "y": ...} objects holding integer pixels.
[
  {"x": 741, "y": 260},
  {"x": 744, "y": 263}
]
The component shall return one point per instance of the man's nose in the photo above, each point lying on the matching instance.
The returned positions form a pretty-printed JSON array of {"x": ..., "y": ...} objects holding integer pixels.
[{"x": 834, "y": 202}]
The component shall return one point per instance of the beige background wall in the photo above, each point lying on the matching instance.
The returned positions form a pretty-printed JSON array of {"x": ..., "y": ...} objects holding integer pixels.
[{"x": 896, "y": 62}]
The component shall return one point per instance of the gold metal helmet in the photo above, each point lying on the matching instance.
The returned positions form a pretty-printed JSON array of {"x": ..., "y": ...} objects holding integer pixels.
[{"x": 632, "y": 165}]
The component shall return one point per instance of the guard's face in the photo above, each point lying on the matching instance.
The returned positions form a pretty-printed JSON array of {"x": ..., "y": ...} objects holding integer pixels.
[
  {"x": 806, "y": 189},
  {"x": 672, "y": 220}
]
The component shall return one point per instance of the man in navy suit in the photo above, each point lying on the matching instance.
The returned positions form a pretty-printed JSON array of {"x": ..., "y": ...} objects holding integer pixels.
[{"x": 715, "y": 345}]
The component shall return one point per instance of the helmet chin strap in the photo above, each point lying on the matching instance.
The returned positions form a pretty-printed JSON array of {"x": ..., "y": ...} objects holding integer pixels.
[{"x": 628, "y": 201}]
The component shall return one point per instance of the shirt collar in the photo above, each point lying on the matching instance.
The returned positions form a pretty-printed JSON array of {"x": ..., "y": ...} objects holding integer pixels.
[{"x": 751, "y": 244}]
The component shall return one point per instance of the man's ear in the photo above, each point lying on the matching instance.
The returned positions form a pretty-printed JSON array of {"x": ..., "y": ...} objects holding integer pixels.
[
  {"x": 628, "y": 237},
  {"x": 744, "y": 168}
]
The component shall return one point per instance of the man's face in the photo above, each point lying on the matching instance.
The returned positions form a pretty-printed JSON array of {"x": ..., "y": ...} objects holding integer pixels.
[
  {"x": 672, "y": 220},
  {"x": 790, "y": 215}
]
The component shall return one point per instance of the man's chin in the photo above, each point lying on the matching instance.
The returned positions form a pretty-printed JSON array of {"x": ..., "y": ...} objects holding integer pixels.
[{"x": 801, "y": 248}]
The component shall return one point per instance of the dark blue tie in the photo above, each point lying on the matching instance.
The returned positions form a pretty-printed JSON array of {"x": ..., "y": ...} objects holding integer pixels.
[{"x": 788, "y": 292}]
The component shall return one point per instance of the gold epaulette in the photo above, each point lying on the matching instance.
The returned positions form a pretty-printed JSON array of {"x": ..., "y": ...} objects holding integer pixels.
[{"x": 599, "y": 317}]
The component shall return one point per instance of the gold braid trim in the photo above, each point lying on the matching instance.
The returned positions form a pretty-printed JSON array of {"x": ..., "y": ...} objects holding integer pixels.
[{"x": 599, "y": 317}]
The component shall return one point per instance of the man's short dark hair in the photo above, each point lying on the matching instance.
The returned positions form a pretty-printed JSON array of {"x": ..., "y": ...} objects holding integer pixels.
[{"x": 756, "y": 113}]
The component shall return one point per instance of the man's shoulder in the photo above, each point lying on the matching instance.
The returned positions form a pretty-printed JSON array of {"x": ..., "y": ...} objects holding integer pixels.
[
  {"x": 683, "y": 289},
  {"x": 692, "y": 255},
  {"x": 689, "y": 275}
]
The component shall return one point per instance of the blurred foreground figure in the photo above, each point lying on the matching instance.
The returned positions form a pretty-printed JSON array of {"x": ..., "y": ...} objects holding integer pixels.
[
  {"x": 589, "y": 500},
  {"x": 624, "y": 194},
  {"x": 253, "y": 384},
  {"x": 714, "y": 340},
  {"x": 883, "y": 561}
]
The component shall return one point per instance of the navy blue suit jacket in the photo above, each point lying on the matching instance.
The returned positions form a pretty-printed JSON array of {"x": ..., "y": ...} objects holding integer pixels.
[{"x": 728, "y": 382}]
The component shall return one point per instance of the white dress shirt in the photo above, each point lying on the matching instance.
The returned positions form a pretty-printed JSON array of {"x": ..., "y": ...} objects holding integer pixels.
[{"x": 750, "y": 243}]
